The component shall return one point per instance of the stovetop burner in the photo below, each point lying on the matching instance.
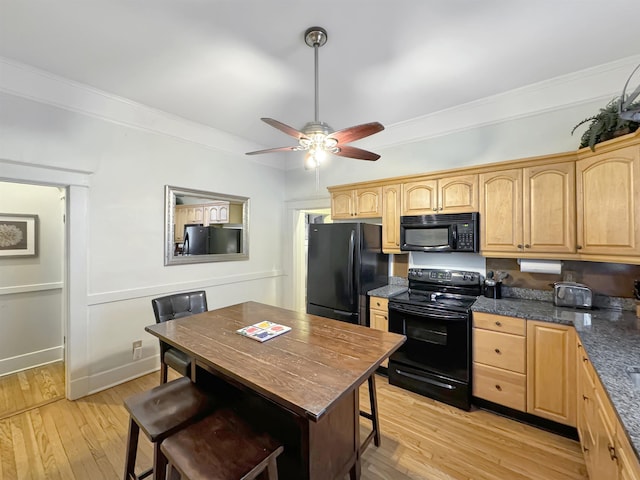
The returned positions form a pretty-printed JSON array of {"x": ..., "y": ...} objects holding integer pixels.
[{"x": 442, "y": 289}]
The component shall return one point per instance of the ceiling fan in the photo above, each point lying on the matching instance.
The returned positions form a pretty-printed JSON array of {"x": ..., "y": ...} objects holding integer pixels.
[
  {"x": 316, "y": 137},
  {"x": 627, "y": 109}
]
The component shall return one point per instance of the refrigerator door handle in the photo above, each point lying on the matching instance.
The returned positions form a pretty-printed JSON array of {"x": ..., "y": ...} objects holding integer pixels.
[{"x": 350, "y": 264}]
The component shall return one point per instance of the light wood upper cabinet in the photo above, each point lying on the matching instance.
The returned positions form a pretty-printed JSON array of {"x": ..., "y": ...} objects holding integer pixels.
[
  {"x": 501, "y": 211},
  {"x": 528, "y": 211},
  {"x": 549, "y": 208},
  {"x": 391, "y": 204},
  {"x": 551, "y": 371},
  {"x": 420, "y": 197},
  {"x": 186, "y": 215},
  {"x": 363, "y": 202},
  {"x": 608, "y": 202},
  {"x": 215, "y": 213},
  {"x": 451, "y": 194}
]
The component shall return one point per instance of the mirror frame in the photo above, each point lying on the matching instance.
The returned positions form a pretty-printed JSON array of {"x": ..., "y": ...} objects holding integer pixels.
[{"x": 170, "y": 193}]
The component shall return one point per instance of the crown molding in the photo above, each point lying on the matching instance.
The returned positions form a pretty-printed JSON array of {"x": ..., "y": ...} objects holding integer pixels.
[
  {"x": 41, "y": 86},
  {"x": 599, "y": 83}
]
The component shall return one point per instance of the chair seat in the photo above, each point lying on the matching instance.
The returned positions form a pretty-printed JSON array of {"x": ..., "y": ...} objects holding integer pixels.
[
  {"x": 178, "y": 360},
  {"x": 222, "y": 446},
  {"x": 167, "y": 408}
]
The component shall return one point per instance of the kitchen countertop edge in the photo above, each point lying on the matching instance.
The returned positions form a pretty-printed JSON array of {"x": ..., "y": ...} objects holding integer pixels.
[
  {"x": 387, "y": 291},
  {"x": 611, "y": 338}
]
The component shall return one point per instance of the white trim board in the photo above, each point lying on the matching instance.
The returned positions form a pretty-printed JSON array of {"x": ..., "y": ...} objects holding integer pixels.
[{"x": 31, "y": 360}]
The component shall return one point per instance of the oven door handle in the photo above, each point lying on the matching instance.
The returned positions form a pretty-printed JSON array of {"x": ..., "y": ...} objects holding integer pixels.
[
  {"x": 425, "y": 379},
  {"x": 438, "y": 315}
]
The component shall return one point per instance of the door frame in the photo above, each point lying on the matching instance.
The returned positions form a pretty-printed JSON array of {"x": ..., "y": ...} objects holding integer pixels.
[{"x": 75, "y": 310}]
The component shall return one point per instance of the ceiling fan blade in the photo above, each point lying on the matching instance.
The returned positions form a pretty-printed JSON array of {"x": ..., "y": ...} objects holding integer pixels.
[
  {"x": 352, "y": 134},
  {"x": 357, "y": 153},
  {"x": 284, "y": 128},
  {"x": 270, "y": 150}
]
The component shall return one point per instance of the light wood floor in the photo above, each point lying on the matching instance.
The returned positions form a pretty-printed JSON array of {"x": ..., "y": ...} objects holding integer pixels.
[
  {"x": 31, "y": 388},
  {"x": 422, "y": 439}
]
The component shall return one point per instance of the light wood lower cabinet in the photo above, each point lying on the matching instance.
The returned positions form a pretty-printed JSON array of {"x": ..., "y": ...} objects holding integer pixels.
[
  {"x": 606, "y": 448},
  {"x": 551, "y": 371},
  {"x": 525, "y": 365},
  {"x": 499, "y": 360},
  {"x": 379, "y": 316}
]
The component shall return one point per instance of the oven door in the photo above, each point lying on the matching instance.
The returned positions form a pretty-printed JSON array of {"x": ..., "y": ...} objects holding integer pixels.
[
  {"x": 437, "y": 341},
  {"x": 435, "y": 359}
]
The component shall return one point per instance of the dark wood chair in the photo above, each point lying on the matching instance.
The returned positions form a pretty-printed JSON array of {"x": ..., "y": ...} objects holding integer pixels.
[
  {"x": 171, "y": 307},
  {"x": 159, "y": 413},
  {"x": 222, "y": 446},
  {"x": 373, "y": 416}
]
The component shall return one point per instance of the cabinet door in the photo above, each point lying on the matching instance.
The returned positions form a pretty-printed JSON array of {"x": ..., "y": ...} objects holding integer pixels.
[
  {"x": 342, "y": 204},
  {"x": 629, "y": 468},
  {"x": 549, "y": 208},
  {"x": 458, "y": 194},
  {"x": 605, "y": 461},
  {"x": 368, "y": 202},
  {"x": 391, "y": 204},
  {"x": 608, "y": 202},
  {"x": 195, "y": 214},
  {"x": 501, "y": 211},
  {"x": 551, "y": 371},
  {"x": 420, "y": 197},
  {"x": 379, "y": 317},
  {"x": 179, "y": 220}
]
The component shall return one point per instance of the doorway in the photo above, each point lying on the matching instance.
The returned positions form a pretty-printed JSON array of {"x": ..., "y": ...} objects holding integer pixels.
[
  {"x": 32, "y": 296},
  {"x": 305, "y": 217}
]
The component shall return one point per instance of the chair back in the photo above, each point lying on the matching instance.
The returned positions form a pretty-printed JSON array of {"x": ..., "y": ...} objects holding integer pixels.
[{"x": 179, "y": 305}]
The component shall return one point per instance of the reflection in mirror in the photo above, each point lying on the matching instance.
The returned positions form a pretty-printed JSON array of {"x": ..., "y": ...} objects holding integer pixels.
[{"x": 204, "y": 227}]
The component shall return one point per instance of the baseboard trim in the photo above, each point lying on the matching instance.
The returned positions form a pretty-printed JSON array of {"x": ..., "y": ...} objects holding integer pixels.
[
  {"x": 116, "y": 376},
  {"x": 31, "y": 360}
]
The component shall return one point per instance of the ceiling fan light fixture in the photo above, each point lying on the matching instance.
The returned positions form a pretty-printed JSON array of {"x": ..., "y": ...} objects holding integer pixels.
[{"x": 316, "y": 137}]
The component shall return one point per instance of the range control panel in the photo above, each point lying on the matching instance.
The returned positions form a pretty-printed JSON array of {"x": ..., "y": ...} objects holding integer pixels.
[{"x": 448, "y": 277}]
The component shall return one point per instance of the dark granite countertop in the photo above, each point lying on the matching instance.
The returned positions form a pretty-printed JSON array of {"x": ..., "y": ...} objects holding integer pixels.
[
  {"x": 611, "y": 338},
  {"x": 387, "y": 291}
]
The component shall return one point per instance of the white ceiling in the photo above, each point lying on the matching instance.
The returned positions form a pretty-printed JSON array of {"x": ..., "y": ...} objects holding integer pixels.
[{"x": 226, "y": 63}]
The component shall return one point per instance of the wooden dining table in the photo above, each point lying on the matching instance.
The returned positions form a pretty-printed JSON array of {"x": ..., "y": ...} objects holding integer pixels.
[{"x": 301, "y": 386}]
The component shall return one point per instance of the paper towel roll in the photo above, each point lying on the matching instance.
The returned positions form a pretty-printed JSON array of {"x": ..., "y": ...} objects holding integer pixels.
[{"x": 541, "y": 266}]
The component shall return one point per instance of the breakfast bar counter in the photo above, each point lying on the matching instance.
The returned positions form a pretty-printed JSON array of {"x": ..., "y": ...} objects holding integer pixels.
[{"x": 305, "y": 381}]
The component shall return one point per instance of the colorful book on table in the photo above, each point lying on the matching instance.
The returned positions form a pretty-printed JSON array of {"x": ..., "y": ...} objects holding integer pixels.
[{"x": 263, "y": 331}]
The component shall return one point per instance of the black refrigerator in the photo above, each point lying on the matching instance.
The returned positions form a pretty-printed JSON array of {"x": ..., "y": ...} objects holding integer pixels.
[
  {"x": 200, "y": 240},
  {"x": 345, "y": 261}
]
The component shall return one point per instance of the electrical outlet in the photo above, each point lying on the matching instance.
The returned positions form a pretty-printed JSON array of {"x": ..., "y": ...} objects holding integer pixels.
[
  {"x": 569, "y": 276},
  {"x": 137, "y": 349}
]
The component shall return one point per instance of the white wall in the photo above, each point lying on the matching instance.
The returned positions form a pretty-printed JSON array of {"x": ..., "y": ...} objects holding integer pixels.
[
  {"x": 31, "y": 328},
  {"x": 128, "y": 169}
]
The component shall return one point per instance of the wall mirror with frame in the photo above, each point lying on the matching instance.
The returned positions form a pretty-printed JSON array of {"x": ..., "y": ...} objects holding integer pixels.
[{"x": 204, "y": 226}]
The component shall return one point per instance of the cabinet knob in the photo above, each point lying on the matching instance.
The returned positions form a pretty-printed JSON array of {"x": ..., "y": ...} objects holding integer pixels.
[
  {"x": 499, "y": 388},
  {"x": 579, "y": 247},
  {"x": 585, "y": 398},
  {"x": 378, "y": 303},
  {"x": 526, "y": 245},
  {"x": 585, "y": 449},
  {"x": 435, "y": 209},
  {"x": 497, "y": 350},
  {"x": 520, "y": 245},
  {"x": 585, "y": 359},
  {"x": 498, "y": 323}
]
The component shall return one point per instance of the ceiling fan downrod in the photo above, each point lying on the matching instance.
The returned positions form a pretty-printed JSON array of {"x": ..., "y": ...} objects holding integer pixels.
[{"x": 316, "y": 37}]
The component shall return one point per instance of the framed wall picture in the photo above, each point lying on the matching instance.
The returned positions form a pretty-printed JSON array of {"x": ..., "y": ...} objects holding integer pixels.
[{"x": 18, "y": 235}]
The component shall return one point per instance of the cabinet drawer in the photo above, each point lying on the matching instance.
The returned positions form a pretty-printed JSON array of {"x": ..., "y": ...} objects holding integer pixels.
[
  {"x": 378, "y": 303},
  {"x": 500, "y": 323},
  {"x": 500, "y": 350},
  {"x": 500, "y": 386}
]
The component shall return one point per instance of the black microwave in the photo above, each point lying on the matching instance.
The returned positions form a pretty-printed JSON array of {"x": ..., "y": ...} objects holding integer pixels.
[{"x": 442, "y": 232}]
